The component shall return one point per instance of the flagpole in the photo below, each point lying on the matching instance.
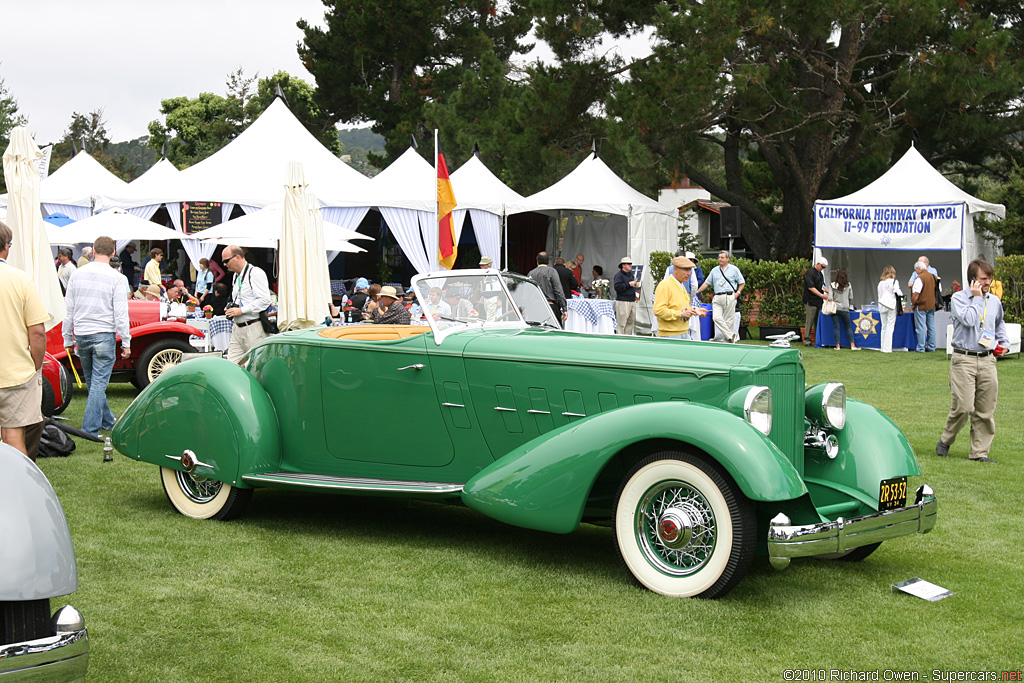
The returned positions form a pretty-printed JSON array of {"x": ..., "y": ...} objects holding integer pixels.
[{"x": 437, "y": 203}]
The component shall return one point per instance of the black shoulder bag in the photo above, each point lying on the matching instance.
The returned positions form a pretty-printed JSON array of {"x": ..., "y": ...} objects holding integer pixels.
[{"x": 268, "y": 324}]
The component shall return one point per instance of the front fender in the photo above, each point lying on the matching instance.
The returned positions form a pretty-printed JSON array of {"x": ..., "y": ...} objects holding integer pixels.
[
  {"x": 871, "y": 448},
  {"x": 544, "y": 484},
  {"x": 165, "y": 327},
  {"x": 209, "y": 406}
]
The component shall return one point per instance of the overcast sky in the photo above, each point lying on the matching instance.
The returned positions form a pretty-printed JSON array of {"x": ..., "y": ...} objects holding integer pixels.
[{"x": 60, "y": 56}]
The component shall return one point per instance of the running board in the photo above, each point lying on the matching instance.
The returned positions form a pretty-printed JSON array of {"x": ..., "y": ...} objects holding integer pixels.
[{"x": 324, "y": 481}]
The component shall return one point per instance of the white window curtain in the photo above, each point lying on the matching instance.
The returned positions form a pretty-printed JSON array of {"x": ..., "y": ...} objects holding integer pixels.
[
  {"x": 70, "y": 210},
  {"x": 405, "y": 226},
  {"x": 486, "y": 227},
  {"x": 225, "y": 211},
  {"x": 143, "y": 212},
  {"x": 248, "y": 208}
]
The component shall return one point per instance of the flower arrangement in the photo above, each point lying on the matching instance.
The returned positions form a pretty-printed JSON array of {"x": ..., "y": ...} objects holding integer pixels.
[
  {"x": 601, "y": 286},
  {"x": 207, "y": 311},
  {"x": 957, "y": 286}
]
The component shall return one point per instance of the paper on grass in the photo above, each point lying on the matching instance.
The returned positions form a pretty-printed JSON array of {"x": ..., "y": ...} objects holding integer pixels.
[{"x": 922, "y": 589}]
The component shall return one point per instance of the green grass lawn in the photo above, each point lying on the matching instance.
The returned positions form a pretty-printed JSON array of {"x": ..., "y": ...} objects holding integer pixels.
[{"x": 333, "y": 588}]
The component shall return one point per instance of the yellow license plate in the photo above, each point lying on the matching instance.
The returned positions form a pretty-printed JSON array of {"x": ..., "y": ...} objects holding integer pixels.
[{"x": 892, "y": 493}]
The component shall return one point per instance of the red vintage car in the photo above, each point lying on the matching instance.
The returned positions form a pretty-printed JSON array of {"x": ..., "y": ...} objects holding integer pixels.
[
  {"x": 156, "y": 345},
  {"x": 56, "y": 386}
]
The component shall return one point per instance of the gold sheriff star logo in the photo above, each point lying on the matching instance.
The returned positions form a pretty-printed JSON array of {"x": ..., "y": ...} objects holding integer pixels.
[{"x": 865, "y": 324}]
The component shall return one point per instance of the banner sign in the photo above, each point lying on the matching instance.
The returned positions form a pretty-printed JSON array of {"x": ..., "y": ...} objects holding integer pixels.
[
  {"x": 912, "y": 227},
  {"x": 198, "y": 216},
  {"x": 44, "y": 162}
]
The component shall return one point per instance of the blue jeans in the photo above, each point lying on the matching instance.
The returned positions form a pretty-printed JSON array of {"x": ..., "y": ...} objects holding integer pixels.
[
  {"x": 924, "y": 326},
  {"x": 845, "y": 315},
  {"x": 96, "y": 352}
]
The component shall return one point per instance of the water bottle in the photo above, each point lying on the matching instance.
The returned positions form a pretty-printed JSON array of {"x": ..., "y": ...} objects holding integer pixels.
[{"x": 108, "y": 450}]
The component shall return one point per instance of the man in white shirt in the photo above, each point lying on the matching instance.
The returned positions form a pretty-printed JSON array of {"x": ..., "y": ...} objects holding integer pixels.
[
  {"x": 97, "y": 314},
  {"x": 250, "y": 296},
  {"x": 67, "y": 266}
]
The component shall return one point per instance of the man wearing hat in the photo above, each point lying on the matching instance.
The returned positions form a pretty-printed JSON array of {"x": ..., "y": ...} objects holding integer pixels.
[
  {"x": 626, "y": 289},
  {"x": 672, "y": 301},
  {"x": 390, "y": 311},
  {"x": 486, "y": 262},
  {"x": 815, "y": 294}
]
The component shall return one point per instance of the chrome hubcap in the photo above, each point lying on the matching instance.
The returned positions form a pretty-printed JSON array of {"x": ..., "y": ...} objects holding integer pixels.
[
  {"x": 198, "y": 489},
  {"x": 675, "y": 528}
]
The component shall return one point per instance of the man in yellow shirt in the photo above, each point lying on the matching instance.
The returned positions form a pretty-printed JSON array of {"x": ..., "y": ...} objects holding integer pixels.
[
  {"x": 23, "y": 344},
  {"x": 672, "y": 302}
]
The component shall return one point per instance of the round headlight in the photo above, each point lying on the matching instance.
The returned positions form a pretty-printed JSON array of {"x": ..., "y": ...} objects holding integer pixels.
[
  {"x": 757, "y": 409},
  {"x": 833, "y": 404}
]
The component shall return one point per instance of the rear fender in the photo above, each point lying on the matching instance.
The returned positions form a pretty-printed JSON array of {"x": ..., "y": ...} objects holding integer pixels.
[
  {"x": 165, "y": 327},
  {"x": 211, "y": 407},
  {"x": 544, "y": 484}
]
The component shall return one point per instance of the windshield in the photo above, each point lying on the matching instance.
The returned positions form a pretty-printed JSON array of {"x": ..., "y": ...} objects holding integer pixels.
[{"x": 454, "y": 300}]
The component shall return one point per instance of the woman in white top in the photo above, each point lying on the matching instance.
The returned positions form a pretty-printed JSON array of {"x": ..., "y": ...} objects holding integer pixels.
[{"x": 888, "y": 289}]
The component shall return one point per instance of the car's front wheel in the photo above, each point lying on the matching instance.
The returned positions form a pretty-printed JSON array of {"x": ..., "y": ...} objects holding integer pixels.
[
  {"x": 202, "y": 498},
  {"x": 157, "y": 358},
  {"x": 682, "y": 526}
]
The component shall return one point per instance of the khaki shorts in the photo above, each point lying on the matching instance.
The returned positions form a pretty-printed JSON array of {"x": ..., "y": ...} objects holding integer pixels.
[{"x": 21, "y": 405}]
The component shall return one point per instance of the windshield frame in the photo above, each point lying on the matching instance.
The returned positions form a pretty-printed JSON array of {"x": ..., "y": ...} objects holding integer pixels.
[{"x": 441, "y": 332}]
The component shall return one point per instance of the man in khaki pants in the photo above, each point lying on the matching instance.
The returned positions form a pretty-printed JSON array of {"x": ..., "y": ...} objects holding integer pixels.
[{"x": 979, "y": 335}]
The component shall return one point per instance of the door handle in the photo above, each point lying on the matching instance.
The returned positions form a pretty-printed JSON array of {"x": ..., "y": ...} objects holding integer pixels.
[{"x": 417, "y": 366}]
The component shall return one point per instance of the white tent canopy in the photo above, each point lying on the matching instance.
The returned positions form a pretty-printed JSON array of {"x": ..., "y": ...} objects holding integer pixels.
[
  {"x": 911, "y": 210},
  {"x": 605, "y": 219},
  {"x": 263, "y": 229},
  {"x": 116, "y": 224},
  {"x": 484, "y": 197},
  {"x": 73, "y": 188}
]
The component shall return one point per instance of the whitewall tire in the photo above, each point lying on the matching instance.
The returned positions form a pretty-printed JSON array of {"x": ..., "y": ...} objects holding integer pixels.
[{"x": 198, "y": 497}]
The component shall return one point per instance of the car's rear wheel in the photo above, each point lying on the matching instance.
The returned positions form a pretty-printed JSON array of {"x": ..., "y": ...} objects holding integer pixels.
[
  {"x": 159, "y": 357},
  {"x": 202, "y": 498},
  {"x": 24, "y": 620},
  {"x": 49, "y": 406},
  {"x": 682, "y": 526}
]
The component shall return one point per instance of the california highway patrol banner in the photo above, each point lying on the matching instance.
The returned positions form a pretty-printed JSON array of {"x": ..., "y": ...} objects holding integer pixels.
[{"x": 915, "y": 227}]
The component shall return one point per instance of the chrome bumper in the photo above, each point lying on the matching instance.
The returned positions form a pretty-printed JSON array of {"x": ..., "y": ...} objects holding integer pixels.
[
  {"x": 786, "y": 542},
  {"x": 60, "y": 658}
]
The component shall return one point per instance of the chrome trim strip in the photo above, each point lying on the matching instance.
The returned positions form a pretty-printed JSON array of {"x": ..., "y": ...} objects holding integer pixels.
[
  {"x": 539, "y": 412},
  {"x": 353, "y": 483},
  {"x": 506, "y": 410},
  {"x": 64, "y": 656},
  {"x": 453, "y": 405},
  {"x": 574, "y": 414},
  {"x": 786, "y": 541}
]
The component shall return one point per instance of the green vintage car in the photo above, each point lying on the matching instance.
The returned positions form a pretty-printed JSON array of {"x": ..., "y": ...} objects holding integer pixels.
[{"x": 699, "y": 455}]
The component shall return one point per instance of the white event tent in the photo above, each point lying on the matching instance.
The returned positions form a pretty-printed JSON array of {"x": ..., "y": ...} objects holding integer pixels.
[
  {"x": 117, "y": 224},
  {"x": 263, "y": 229},
  {"x": 247, "y": 172},
  {"x": 605, "y": 219},
  {"x": 74, "y": 188},
  {"x": 910, "y": 211},
  {"x": 406, "y": 195}
]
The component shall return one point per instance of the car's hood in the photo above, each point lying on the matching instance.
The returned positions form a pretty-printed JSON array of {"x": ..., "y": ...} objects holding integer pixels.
[{"x": 671, "y": 355}]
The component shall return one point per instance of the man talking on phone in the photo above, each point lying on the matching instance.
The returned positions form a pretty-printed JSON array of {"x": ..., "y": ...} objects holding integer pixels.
[{"x": 979, "y": 336}]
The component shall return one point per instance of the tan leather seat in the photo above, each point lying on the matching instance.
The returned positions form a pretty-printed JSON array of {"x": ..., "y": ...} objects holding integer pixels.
[{"x": 373, "y": 332}]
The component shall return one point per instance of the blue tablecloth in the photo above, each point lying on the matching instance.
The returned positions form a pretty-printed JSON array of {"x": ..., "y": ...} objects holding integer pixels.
[
  {"x": 592, "y": 309},
  {"x": 868, "y": 326}
]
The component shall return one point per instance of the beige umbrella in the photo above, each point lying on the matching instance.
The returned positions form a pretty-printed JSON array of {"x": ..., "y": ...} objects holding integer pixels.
[
  {"x": 304, "y": 286},
  {"x": 31, "y": 249}
]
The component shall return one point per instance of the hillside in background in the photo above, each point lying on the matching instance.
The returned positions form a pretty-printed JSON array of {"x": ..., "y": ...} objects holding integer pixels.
[{"x": 355, "y": 144}]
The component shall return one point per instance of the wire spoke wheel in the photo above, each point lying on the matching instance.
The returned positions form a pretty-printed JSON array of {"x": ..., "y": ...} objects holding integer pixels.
[
  {"x": 675, "y": 528},
  {"x": 200, "y": 497},
  {"x": 162, "y": 361},
  {"x": 683, "y": 527},
  {"x": 198, "y": 489}
]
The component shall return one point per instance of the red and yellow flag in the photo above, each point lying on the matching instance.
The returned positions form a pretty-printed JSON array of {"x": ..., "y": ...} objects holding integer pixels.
[{"x": 445, "y": 203}]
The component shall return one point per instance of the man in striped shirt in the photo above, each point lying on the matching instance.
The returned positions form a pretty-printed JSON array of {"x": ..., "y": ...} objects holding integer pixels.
[{"x": 97, "y": 313}]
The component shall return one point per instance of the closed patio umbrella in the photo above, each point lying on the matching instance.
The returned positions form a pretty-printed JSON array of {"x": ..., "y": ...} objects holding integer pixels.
[
  {"x": 31, "y": 249},
  {"x": 304, "y": 286}
]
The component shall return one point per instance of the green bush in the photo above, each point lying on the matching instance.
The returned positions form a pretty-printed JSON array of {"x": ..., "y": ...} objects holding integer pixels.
[
  {"x": 1010, "y": 271},
  {"x": 658, "y": 263}
]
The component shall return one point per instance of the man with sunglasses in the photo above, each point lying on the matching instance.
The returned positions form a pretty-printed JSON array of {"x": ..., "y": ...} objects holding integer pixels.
[{"x": 250, "y": 296}]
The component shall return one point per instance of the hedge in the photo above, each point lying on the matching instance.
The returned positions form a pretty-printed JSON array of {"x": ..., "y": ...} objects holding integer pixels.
[
  {"x": 1010, "y": 271},
  {"x": 774, "y": 291}
]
